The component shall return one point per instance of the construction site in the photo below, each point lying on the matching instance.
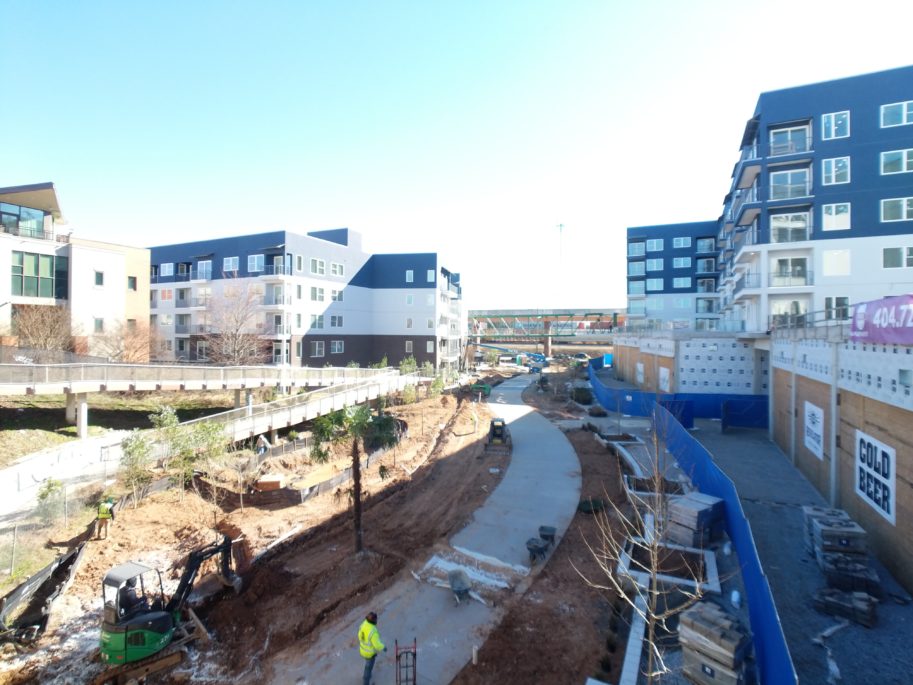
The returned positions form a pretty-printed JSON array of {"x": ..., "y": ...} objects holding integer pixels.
[{"x": 293, "y": 589}]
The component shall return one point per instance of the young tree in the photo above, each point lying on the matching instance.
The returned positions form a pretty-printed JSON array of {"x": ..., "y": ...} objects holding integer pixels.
[
  {"x": 134, "y": 465},
  {"x": 129, "y": 342},
  {"x": 233, "y": 339},
  {"x": 408, "y": 365},
  {"x": 355, "y": 424},
  {"x": 42, "y": 327}
]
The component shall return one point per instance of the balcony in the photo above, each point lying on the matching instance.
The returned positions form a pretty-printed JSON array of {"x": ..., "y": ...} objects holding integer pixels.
[
  {"x": 795, "y": 145},
  {"x": 706, "y": 288},
  {"x": 706, "y": 307},
  {"x": 746, "y": 281},
  {"x": 706, "y": 267},
  {"x": 790, "y": 235},
  {"x": 276, "y": 300},
  {"x": 791, "y": 278},
  {"x": 188, "y": 302},
  {"x": 274, "y": 329},
  {"x": 23, "y": 231},
  {"x": 742, "y": 198},
  {"x": 276, "y": 270},
  {"x": 788, "y": 191}
]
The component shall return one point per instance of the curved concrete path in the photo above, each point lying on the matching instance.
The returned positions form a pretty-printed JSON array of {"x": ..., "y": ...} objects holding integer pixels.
[{"x": 541, "y": 487}]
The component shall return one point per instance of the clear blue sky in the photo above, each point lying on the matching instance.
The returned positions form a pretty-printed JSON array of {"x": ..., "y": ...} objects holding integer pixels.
[{"x": 466, "y": 128}]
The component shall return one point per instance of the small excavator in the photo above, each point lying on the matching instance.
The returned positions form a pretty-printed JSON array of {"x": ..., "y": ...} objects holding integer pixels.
[{"x": 141, "y": 633}]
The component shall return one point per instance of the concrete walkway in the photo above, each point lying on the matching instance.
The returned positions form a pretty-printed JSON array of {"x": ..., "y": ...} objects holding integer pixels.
[{"x": 541, "y": 487}]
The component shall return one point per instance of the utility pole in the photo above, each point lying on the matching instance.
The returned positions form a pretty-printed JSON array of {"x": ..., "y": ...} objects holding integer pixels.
[{"x": 560, "y": 234}]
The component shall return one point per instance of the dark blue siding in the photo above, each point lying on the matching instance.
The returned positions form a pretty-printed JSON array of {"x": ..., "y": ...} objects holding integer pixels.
[{"x": 389, "y": 271}]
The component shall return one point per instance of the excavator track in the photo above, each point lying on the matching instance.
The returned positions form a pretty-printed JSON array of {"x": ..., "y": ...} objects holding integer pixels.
[{"x": 169, "y": 657}]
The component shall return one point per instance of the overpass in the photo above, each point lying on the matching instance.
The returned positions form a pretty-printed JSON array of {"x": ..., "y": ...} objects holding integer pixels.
[
  {"x": 543, "y": 325},
  {"x": 76, "y": 381}
]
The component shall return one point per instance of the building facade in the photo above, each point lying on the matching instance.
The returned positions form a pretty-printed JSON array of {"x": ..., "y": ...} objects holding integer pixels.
[
  {"x": 103, "y": 286},
  {"x": 314, "y": 299},
  {"x": 672, "y": 276}
]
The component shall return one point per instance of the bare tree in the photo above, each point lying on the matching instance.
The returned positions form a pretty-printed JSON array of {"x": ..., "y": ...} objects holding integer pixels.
[
  {"x": 634, "y": 534},
  {"x": 128, "y": 342},
  {"x": 43, "y": 327},
  {"x": 233, "y": 338}
]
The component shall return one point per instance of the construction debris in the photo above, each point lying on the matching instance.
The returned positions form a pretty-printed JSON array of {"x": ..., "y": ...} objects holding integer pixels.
[
  {"x": 856, "y": 606},
  {"x": 714, "y": 645}
]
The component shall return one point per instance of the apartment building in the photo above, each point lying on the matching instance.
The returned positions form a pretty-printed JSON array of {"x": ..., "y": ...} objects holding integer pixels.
[
  {"x": 313, "y": 299},
  {"x": 819, "y": 213},
  {"x": 672, "y": 276},
  {"x": 103, "y": 286}
]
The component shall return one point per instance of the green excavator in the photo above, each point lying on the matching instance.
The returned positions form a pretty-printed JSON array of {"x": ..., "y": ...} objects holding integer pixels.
[{"x": 141, "y": 632}]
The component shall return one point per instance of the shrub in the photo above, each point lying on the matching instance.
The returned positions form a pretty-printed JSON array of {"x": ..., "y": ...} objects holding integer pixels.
[{"x": 582, "y": 395}]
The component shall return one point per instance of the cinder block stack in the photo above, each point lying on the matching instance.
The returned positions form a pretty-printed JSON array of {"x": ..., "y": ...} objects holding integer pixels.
[
  {"x": 694, "y": 519},
  {"x": 714, "y": 645}
]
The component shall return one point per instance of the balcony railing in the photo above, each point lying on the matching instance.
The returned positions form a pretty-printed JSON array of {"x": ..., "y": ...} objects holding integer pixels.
[
  {"x": 277, "y": 270},
  {"x": 787, "y": 191},
  {"x": 40, "y": 234},
  {"x": 747, "y": 281},
  {"x": 706, "y": 267},
  {"x": 706, "y": 308},
  {"x": 790, "y": 235},
  {"x": 791, "y": 147},
  {"x": 272, "y": 329},
  {"x": 182, "y": 328},
  {"x": 741, "y": 197},
  {"x": 791, "y": 278},
  {"x": 276, "y": 300}
]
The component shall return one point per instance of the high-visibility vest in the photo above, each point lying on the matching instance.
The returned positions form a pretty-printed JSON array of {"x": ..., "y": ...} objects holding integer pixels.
[
  {"x": 369, "y": 643},
  {"x": 104, "y": 510}
]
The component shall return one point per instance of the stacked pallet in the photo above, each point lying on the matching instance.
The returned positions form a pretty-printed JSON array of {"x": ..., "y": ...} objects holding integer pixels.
[
  {"x": 851, "y": 573},
  {"x": 694, "y": 519},
  {"x": 856, "y": 606},
  {"x": 811, "y": 513},
  {"x": 841, "y": 535},
  {"x": 714, "y": 645}
]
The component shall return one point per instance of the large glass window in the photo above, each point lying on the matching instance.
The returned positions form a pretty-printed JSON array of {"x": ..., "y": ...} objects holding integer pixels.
[
  {"x": 836, "y": 170},
  {"x": 204, "y": 269},
  {"x": 788, "y": 184},
  {"x": 337, "y": 346},
  {"x": 835, "y": 125},
  {"x": 34, "y": 275},
  {"x": 654, "y": 284},
  {"x": 706, "y": 245},
  {"x": 897, "y": 257},
  {"x": 229, "y": 264},
  {"x": 655, "y": 245},
  {"x": 681, "y": 282},
  {"x": 636, "y": 249},
  {"x": 786, "y": 141},
  {"x": 636, "y": 268},
  {"x": 897, "y": 114},
  {"x": 316, "y": 348},
  {"x": 681, "y": 263},
  {"x": 897, "y": 162},
  {"x": 255, "y": 263},
  {"x": 654, "y": 265},
  {"x": 636, "y": 288},
  {"x": 789, "y": 228},
  {"x": 897, "y": 209},
  {"x": 684, "y": 241},
  {"x": 23, "y": 221},
  {"x": 706, "y": 265},
  {"x": 166, "y": 269},
  {"x": 835, "y": 217}
]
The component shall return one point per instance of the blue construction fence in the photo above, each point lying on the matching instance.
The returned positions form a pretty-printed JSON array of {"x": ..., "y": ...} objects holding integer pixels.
[
  {"x": 771, "y": 652},
  {"x": 748, "y": 411}
]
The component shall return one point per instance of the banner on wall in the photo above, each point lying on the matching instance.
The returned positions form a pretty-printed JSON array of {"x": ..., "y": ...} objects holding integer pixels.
[
  {"x": 875, "y": 482},
  {"x": 814, "y": 430},
  {"x": 639, "y": 373},
  {"x": 888, "y": 320},
  {"x": 664, "y": 379}
]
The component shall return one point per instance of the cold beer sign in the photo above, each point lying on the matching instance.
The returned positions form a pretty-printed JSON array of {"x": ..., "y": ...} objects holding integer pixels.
[{"x": 875, "y": 480}]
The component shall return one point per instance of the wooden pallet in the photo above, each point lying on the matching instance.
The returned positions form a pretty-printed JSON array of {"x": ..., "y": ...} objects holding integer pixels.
[{"x": 706, "y": 628}]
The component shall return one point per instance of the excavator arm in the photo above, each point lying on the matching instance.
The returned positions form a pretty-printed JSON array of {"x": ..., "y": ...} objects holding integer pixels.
[{"x": 194, "y": 562}]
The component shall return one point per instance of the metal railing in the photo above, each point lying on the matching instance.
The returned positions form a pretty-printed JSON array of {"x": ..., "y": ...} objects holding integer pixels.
[
  {"x": 787, "y": 191},
  {"x": 791, "y": 147},
  {"x": 276, "y": 300},
  {"x": 828, "y": 324},
  {"x": 747, "y": 281},
  {"x": 791, "y": 278}
]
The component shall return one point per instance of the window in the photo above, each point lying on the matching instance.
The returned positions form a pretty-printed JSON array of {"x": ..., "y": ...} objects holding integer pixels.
[
  {"x": 166, "y": 269},
  {"x": 788, "y": 184},
  {"x": 429, "y": 346},
  {"x": 681, "y": 263},
  {"x": 655, "y": 245},
  {"x": 410, "y": 300},
  {"x": 298, "y": 291},
  {"x": 229, "y": 265},
  {"x": 897, "y": 209},
  {"x": 430, "y": 323},
  {"x": 897, "y": 257},
  {"x": 636, "y": 288},
  {"x": 336, "y": 321},
  {"x": 636, "y": 268},
  {"x": 408, "y": 347},
  {"x": 182, "y": 344},
  {"x": 336, "y": 295},
  {"x": 299, "y": 265},
  {"x": 255, "y": 263},
  {"x": 337, "y": 269},
  {"x": 99, "y": 278},
  {"x": 835, "y": 125},
  {"x": 706, "y": 285},
  {"x": 789, "y": 228},
  {"x": 316, "y": 294},
  {"x": 316, "y": 348},
  {"x": 318, "y": 266},
  {"x": 836, "y": 307},
  {"x": 636, "y": 249},
  {"x": 408, "y": 322},
  {"x": 654, "y": 265},
  {"x": 430, "y": 276},
  {"x": 166, "y": 319},
  {"x": 316, "y": 320},
  {"x": 706, "y": 245},
  {"x": 169, "y": 345},
  {"x": 835, "y": 217},
  {"x": 204, "y": 269},
  {"x": 897, "y": 114},
  {"x": 99, "y": 325},
  {"x": 166, "y": 294},
  {"x": 897, "y": 162},
  {"x": 409, "y": 276},
  {"x": 131, "y": 283},
  {"x": 706, "y": 265},
  {"x": 836, "y": 170},
  {"x": 182, "y": 268},
  {"x": 654, "y": 284},
  {"x": 202, "y": 349},
  {"x": 786, "y": 141},
  {"x": 337, "y": 346},
  {"x": 681, "y": 282},
  {"x": 298, "y": 322},
  {"x": 681, "y": 242}
]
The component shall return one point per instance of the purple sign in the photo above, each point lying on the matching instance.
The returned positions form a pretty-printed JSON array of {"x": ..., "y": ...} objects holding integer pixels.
[{"x": 889, "y": 320}]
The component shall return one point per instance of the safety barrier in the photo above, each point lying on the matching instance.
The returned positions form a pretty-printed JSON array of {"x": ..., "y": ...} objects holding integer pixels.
[
  {"x": 771, "y": 651},
  {"x": 744, "y": 413}
]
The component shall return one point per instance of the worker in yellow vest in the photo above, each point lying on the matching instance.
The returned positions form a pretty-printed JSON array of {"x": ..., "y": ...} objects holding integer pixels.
[
  {"x": 104, "y": 516},
  {"x": 369, "y": 644}
]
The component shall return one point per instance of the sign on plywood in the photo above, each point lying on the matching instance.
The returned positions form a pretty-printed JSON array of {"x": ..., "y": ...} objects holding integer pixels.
[
  {"x": 664, "y": 379},
  {"x": 639, "y": 373},
  {"x": 875, "y": 481},
  {"x": 814, "y": 430}
]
